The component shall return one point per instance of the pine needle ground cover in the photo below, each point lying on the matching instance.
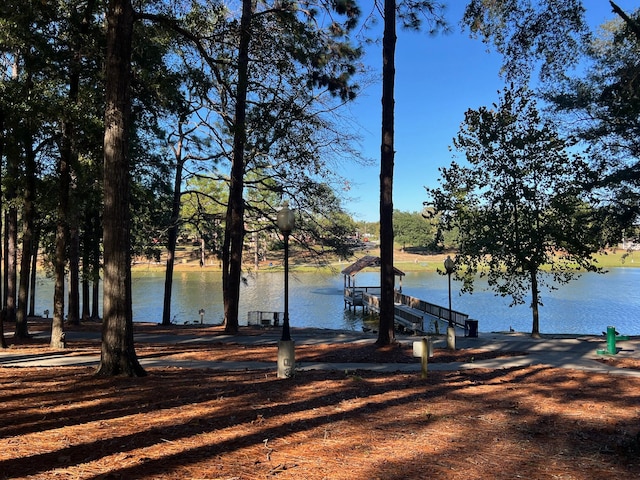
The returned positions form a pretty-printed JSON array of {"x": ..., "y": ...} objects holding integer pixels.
[{"x": 182, "y": 423}]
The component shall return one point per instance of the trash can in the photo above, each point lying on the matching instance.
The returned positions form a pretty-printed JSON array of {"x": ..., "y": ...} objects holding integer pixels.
[{"x": 471, "y": 328}]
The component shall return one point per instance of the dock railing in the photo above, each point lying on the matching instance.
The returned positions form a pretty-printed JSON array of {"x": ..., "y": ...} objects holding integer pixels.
[
  {"x": 442, "y": 313},
  {"x": 409, "y": 311},
  {"x": 355, "y": 296}
]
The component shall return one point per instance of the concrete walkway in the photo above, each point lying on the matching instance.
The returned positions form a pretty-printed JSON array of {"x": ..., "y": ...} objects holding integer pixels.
[{"x": 564, "y": 351}]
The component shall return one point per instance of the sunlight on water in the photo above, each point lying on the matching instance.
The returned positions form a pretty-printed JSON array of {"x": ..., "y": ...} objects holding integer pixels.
[{"x": 586, "y": 305}]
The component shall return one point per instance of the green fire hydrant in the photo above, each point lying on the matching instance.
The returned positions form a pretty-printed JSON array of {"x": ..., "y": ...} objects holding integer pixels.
[
  {"x": 612, "y": 338},
  {"x": 611, "y": 341}
]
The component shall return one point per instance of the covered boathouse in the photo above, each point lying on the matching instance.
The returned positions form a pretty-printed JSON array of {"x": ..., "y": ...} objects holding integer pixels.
[{"x": 354, "y": 295}]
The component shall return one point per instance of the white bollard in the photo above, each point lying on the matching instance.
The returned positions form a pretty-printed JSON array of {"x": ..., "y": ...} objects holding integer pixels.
[
  {"x": 425, "y": 357},
  {"x": 286, "y": 358},
  {"x": 451, "y": 338}
]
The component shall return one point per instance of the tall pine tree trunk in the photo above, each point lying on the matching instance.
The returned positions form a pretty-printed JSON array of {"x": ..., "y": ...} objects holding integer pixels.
[
  {"x": 86, "y": 299},
  {"x": 234, "y": 227},
  {"x": 95, "y": 270},
  {"x": 11, "y": 234},
  {"x": 118, "y": 356},
  {"x": 87, "y": 237},
  {"x": 35, "y": 243},
  {"x": 535, "y": 303},
  {"x": 73, "y": 316},
  {"x": 11, "y": 228},
  {"x": 5, "y": 257},
  {"x": 68, "y": 158},
  {"x": 59, "y": 263},
  {"x": 172, "y": 239},
  {"x": 28, "y": 223},
  {"x": 386, "y": 334},
  {"x": 3, "y": 342},
  {"x": 11, "y": 220},
  {"x": 95, "y": 298}
]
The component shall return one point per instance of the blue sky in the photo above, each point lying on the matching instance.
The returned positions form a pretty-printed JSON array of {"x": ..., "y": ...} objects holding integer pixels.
[{"x": 437, "y": 80}]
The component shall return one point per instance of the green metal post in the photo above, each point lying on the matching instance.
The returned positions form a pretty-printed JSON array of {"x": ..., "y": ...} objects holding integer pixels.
[{"x": 611, "y": 340}]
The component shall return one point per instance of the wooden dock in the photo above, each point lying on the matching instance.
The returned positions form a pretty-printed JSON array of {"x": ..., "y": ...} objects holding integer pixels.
[{"x": 411, "y": 314}]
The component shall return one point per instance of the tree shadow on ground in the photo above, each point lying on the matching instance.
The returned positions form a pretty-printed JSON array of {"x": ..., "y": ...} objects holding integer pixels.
[{"x": 179, "y": 423}]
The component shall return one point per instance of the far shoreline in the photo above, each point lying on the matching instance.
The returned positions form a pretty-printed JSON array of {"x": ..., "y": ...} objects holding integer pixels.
[{"x": 405, "y": 261}]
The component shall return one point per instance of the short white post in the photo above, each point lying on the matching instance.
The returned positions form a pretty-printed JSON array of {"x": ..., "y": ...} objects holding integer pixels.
[
  {"x": 451, "y": 338},
  {"x": 286, "y": 358}
]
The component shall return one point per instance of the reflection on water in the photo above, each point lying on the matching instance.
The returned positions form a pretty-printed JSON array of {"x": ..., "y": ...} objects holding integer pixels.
[{"x": 586, "y": 305}]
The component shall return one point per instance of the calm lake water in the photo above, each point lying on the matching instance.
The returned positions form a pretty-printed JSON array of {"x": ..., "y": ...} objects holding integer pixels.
[{"x": 587, "y": 305}]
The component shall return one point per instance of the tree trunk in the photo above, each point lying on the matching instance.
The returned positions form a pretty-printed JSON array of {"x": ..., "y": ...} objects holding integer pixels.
[
  {"x": 95, "y": 299},
  {"x": 68, "y": 157},
  {"x": 3, "y": 342},
  {"x": 234, "y": 226},
  {"x": 12, "y": 262},
  {"x": 5, "y": 258},
  {"x": 25, "y": 269},
  {"x": 535, "y": 303},
  {"x": 95, "y": 268},
  {"x": 28, "y": 222},
  {"x": 386, "y": 334},
  {"x": 168, "y": 274},
  {"x": 73, "y": 315},
  {"x": 3, "y": 312},
  {"x": 11, "y": 220},
  {"x": 87, "y": 237},
  {"x": 172, "y": 239},
  {"x": 59, "y": 263},
  {"x": 118, "y": 356},
  {"x": 86, "y": 299},
  {"x": 34, "y": 271}
]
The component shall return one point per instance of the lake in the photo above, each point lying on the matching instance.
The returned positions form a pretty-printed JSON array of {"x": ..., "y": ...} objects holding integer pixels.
[{"x": 587, "y": 305}]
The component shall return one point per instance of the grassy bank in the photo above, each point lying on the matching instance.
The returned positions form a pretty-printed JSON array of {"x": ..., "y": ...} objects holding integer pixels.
[{"x": 403, "y": 260}]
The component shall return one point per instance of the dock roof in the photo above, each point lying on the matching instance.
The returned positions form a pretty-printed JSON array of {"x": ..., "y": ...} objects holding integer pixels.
[{"x": 364, "y": 262}]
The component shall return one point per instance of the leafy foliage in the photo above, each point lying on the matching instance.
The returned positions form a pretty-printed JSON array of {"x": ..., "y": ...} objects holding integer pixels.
[
  {"x": 521, "y": 213},
  {"x": 602, "y": 109},
  {"x": 530, "y": 34},
  {"x": 412, "y": 229}
]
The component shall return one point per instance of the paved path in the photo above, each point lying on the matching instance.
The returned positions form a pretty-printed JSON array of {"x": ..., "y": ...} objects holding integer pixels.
[{"x": 574, "y": 352}]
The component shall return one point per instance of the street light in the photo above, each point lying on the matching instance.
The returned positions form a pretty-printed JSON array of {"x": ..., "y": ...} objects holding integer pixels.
[
  {"x": 448, "y": 266},
  {"x": 286, "y": 354},
  {"x": 451, "y": 332},
  {"x": 286, "y": 222}
]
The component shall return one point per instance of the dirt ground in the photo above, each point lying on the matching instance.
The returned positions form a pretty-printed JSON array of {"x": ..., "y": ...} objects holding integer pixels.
[{"x": 534, "y": 422}]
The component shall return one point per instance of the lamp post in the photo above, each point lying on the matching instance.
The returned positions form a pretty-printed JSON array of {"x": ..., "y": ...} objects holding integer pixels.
[
  {"x": 451, "y": 331},
  {"x": 286, "y": 353}
]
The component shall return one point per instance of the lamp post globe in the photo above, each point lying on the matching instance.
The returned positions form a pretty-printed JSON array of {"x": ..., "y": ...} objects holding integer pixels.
[{"x": 286, "y": 220}]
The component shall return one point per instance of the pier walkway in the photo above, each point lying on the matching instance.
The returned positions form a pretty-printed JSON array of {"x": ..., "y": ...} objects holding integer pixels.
[{"x": 411, "y": 314}]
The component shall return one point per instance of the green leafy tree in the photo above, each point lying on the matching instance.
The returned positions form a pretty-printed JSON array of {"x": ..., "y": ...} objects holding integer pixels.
[
  {"x": 368, "y": 230},
  {"x": 273, "y": 136},
  {"x": 534, "y": 36},
  {"x": 602, "y": 109},
  {"x": 412, "y": 229},
  {"x": 522, "y": 219}
]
